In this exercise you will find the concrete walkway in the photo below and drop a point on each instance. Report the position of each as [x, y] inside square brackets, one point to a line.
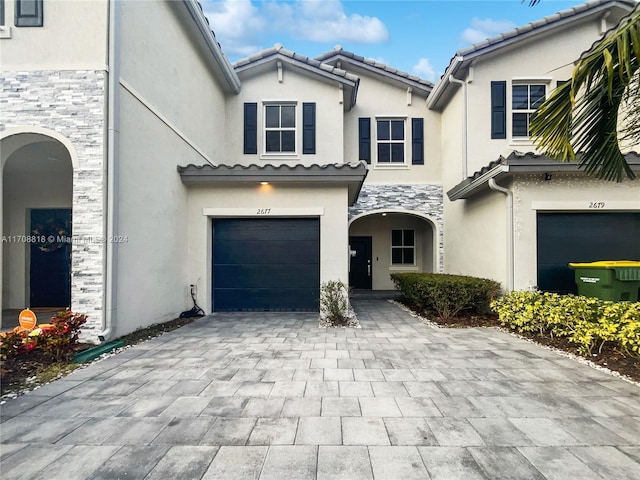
[271, 396]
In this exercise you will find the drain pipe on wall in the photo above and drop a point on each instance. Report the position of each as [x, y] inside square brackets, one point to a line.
[111, 172]
[463, 84]
[510, 247]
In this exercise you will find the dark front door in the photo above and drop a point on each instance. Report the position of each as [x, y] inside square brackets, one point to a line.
[360, 269]
[565, 238]
[50, 270]
[264, 264]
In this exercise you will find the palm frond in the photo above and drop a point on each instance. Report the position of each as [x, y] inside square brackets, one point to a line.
[581, 117]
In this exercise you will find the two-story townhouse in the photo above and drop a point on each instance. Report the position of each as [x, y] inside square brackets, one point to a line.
[397, 223]
[100, 101]
[270, 224]
[555, 214]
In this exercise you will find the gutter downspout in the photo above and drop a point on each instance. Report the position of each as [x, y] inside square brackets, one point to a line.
[463, 84]
[510, 246]
[111, 171]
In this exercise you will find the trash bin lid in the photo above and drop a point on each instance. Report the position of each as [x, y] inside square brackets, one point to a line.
[607, 263]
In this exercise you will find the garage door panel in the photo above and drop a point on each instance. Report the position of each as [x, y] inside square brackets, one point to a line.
[568, 237]
[264, 276]
[255, 299]
[266, 264]
[266, 229]
[259, 252]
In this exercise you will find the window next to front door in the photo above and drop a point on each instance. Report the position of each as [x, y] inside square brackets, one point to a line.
[403, 247]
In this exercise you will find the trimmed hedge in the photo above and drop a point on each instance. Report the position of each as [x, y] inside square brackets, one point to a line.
[446, 295]
[588, 322]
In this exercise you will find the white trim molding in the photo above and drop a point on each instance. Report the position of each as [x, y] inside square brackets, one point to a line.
[593, 205]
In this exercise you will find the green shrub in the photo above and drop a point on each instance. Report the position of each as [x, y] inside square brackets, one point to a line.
[446, 295]
[585, 321]
[58, 339]
[334, 302]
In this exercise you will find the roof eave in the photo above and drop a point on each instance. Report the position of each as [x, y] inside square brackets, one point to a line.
[219, 59]
[426, 90]
[464, 58]
[350, 175]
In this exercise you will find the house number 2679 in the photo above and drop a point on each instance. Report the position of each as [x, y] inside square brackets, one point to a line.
[596, 204]
[264, 211]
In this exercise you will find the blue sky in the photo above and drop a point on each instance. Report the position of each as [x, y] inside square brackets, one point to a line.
[417, 36]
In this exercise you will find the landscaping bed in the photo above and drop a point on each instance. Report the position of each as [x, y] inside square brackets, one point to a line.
[24, 372]
[610, 357]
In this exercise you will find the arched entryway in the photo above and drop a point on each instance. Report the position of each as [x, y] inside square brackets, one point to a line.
[382, 242]
[37, 199]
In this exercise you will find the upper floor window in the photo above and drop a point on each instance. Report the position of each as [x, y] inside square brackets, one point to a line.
[29, 13]
[525, 98]
[403, 247]
[286, 129]
[280, 128]
[391, 140]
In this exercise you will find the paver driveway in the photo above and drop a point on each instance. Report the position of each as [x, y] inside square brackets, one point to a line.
[271, 396]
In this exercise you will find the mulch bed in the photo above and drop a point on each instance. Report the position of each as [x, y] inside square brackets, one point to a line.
[610, 357]
[24, 372]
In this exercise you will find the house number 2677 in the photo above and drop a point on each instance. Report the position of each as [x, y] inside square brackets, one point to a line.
[264, 211]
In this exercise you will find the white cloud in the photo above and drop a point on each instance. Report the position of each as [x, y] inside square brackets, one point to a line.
[425, 70]
[324, 21]
[481, 29]
[239, 24]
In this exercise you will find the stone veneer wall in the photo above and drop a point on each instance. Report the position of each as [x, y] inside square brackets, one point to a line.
[73, 104]
[424, 199]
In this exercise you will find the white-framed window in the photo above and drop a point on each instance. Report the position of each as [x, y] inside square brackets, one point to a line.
[525, 98]
[280, 128]
[390, 141]
[403, 247]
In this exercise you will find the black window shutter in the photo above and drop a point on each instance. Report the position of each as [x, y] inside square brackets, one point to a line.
[29, 13]
[308, 128]
[499, 109]
[417, 141]
[364, 133]
[250, 128]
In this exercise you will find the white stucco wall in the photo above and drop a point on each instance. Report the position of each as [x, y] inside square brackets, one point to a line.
[261, 85]
[73, 37]
[380, 97]
[567, 193]
[301, 201]
[172, 112]
[476, 237]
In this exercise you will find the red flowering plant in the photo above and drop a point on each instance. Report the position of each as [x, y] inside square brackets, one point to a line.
[58, 339]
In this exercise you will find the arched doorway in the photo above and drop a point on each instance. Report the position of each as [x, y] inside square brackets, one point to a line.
[37, 198]
[382, 242]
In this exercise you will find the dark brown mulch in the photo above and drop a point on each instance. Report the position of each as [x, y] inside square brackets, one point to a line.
[34, 368]
[610, 357]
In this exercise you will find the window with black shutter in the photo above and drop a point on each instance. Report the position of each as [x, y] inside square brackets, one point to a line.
[364, 134]
[499, 109]
[29, 13]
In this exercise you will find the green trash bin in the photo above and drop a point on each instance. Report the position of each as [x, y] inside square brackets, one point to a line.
[617, 281]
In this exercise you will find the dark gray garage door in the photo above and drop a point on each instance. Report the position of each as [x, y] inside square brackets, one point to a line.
[582, 237]
[266, 264]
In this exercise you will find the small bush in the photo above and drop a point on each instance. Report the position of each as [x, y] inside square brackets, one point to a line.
[58, 339]
[585, 321]
[446, 295]
[334, 302]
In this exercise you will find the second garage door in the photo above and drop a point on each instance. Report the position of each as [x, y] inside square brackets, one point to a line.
[582, 237]
[266, 264]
